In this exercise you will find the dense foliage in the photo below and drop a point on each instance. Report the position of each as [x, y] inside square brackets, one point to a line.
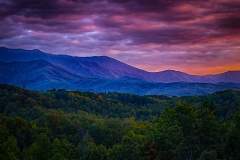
[62, 125]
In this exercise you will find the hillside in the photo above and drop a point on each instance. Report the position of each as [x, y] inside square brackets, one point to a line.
[114, 104]
[61, 124]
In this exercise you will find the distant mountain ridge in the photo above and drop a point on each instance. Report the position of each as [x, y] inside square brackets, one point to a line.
[106, 67]
[35, 69]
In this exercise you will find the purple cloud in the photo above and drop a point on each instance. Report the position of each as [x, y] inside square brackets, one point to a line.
[152, 34]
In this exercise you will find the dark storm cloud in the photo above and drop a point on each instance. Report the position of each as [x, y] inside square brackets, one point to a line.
[146, 5]
[170, 30]
[166, 36]
[28, 7]
[51, 8]
[229, 23]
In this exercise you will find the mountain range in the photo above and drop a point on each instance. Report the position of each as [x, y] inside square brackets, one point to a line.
[37, 70]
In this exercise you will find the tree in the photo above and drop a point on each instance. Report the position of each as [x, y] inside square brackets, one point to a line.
[40, 149]
[61, 150]
[233, 139]
[8, 145]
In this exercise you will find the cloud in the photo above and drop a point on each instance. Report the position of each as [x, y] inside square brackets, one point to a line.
[160, 33]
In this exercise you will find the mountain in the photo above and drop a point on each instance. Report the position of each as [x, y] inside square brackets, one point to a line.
[37, 74]
[230, 76]
[91, 67]
[109, 68]
[37, 70]
[148, 88]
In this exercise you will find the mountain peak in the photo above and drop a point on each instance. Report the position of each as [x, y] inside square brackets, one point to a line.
[171, 71]
[110, 68]
[37, 50]
[232, 72]
[104, 58]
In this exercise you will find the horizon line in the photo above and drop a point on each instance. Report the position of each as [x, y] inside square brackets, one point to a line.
[64, 54]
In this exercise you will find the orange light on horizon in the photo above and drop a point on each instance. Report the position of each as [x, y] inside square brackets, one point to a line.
[193, 70]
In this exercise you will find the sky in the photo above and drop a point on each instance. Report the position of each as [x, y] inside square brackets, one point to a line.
[193, 36]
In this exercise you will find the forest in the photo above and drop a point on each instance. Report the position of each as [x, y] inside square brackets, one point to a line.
[72, 125]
